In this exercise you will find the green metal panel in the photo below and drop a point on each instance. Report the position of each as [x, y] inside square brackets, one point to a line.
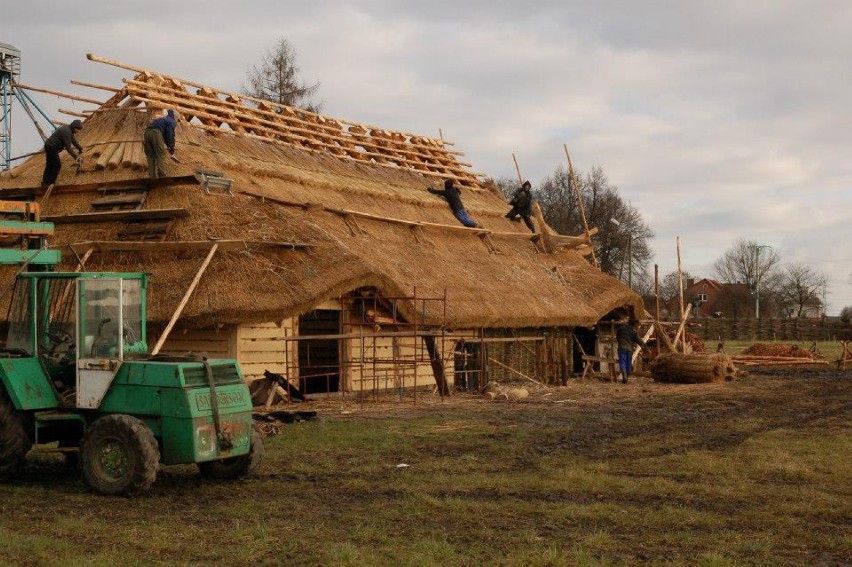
[42, 256]
[27, 384]
[175, 404]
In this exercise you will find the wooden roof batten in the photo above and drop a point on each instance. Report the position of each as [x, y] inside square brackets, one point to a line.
[558, 240]
[213, 109]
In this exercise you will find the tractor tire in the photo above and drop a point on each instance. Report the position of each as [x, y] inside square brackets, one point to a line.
[235, 467]
[119, 455]
[14, 440]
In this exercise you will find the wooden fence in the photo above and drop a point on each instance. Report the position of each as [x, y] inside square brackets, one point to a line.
[771, 329]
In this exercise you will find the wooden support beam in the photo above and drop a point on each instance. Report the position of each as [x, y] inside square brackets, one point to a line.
[181, 245]
[85, 187]
[545, 241]
[184, 301]
[57, 93]
[109, 216]
[95, 86]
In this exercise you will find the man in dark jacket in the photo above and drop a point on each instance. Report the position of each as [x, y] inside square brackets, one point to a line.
[159, 135]
[62, 139]
[522, 205]
[627, 339]
[453, 196]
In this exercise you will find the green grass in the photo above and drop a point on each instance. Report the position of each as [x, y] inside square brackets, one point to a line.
[751, 472]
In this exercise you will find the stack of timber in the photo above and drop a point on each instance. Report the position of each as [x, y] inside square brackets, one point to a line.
[768, 354]
[693, 368]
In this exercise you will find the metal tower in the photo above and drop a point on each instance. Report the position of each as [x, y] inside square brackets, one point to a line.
[10, 69]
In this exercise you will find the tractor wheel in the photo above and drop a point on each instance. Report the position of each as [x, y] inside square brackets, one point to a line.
[119, 455]
[233, 467]
[14, 440]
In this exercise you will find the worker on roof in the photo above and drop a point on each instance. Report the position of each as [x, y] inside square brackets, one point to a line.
[522, 206]
[453, 196]
[627, 339]
[62, 139]
[160, 135]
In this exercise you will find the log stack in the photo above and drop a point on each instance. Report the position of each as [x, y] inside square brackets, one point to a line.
[692, 368]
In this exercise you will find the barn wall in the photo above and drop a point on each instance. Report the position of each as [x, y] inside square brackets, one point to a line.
[217, 343]
[261, 346]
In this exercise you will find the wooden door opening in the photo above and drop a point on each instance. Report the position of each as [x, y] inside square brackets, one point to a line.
[319, 359]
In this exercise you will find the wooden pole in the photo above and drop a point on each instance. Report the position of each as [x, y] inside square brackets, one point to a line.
[657, 292]
[185, 299]
[57, 93]
[572, 180]
[680, 293]
[518, 169]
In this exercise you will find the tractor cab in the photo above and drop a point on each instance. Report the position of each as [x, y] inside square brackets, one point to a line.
[80, 326]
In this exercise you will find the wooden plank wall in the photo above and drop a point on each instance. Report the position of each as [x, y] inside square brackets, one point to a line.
[261, 346]
[217, 343]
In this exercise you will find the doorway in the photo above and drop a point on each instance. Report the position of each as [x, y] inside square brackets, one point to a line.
[319, 359]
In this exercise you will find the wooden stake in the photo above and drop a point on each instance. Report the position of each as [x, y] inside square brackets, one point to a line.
[183, 301]
[572, 179]
[518, 169]
[657, 292]
[680, 287]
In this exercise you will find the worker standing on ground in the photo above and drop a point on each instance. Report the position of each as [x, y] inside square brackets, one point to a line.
[160, 135]
[522, 205]
[627, 339]
[453, 196]
[63, 138]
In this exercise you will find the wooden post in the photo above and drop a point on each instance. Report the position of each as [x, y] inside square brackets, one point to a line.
[518, 169]
[680, 287]
[572, 180]
[183, 301]
[657, 292]
[546, 241]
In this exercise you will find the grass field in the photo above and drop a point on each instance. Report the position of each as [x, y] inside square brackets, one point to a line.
[755, 471]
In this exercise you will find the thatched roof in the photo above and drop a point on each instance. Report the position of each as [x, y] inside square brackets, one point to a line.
[498, 280]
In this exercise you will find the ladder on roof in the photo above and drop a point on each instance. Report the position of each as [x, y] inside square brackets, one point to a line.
[132, 198]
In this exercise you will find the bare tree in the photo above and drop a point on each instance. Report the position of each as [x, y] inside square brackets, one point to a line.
[748, 262]
[800, 290]
[622, 243]
[669, 287]
[276, 79]
[757, 266]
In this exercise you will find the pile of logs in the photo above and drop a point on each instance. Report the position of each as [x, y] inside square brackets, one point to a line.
[692, 368]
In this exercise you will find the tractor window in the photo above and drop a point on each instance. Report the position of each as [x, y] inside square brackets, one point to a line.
[132, 309]
[101, 314]
[20, 319]
[56, 319]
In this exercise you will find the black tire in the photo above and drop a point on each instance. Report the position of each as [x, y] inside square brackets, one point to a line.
[14, 440]
[119, 455]
[235, 467]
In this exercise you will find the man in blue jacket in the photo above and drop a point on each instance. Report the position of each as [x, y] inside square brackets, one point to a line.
[453, 196]
[61, 139]
[159, 136]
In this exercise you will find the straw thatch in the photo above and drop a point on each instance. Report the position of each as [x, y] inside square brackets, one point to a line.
[507, 283]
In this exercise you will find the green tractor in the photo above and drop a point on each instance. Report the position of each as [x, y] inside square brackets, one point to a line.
[75, 378]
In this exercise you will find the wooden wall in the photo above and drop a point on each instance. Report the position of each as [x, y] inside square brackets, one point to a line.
[217, 343]
[261, 346]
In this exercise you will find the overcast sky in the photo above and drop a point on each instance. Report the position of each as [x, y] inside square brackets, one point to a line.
[716, 120]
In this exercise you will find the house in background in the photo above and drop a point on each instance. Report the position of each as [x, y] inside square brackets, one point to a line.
[317, 251]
